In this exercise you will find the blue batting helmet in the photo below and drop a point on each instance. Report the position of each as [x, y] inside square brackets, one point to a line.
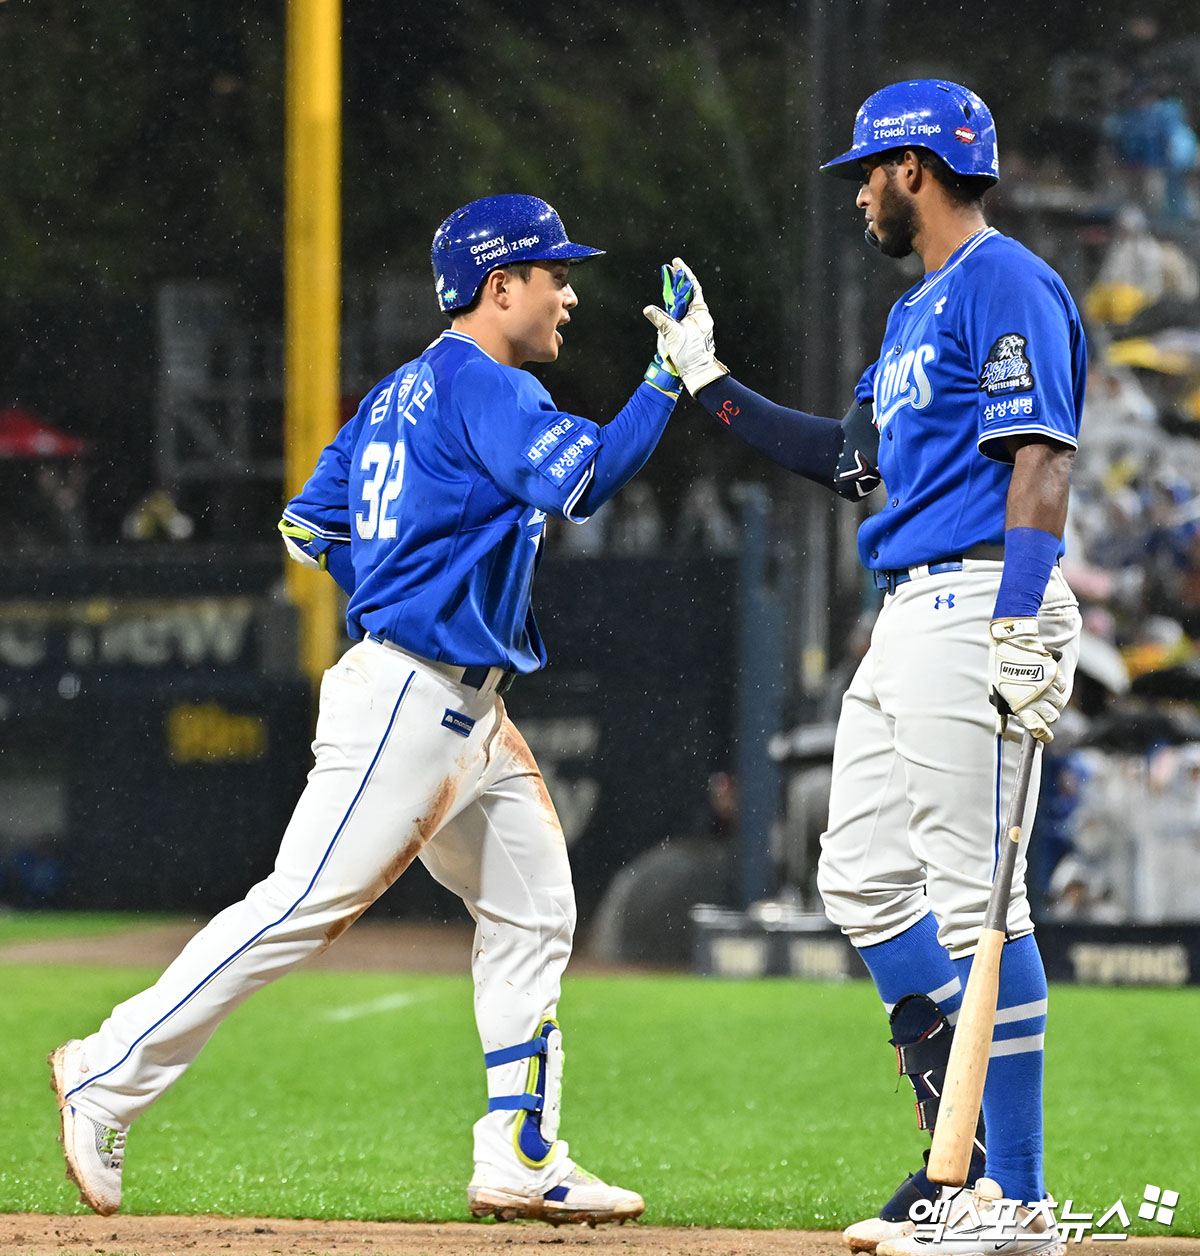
[496, 231]
[946, 118]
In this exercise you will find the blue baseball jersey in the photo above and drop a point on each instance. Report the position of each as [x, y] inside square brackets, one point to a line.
[441, 484]
[989, 346]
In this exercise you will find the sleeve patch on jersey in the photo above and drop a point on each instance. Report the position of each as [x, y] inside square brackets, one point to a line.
[548, 439]
[577, 453]
[1009, 409]
[458, 723]
[1007, 369]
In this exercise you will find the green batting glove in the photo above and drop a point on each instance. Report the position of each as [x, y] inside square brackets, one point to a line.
[677, 292]
[687, 343]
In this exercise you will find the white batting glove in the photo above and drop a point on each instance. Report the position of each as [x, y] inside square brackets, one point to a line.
[688, 342]
[1026, 681]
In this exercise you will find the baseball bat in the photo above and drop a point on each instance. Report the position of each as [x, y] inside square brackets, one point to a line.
[966, 1070]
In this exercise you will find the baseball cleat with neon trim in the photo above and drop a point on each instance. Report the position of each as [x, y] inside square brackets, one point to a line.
[580, 1198]
[94, 1151]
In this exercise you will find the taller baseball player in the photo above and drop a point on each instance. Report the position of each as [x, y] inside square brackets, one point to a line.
[970, 418]
[429, 509]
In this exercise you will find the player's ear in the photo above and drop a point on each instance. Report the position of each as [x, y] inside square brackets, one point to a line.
[911, 170]
[495, 287]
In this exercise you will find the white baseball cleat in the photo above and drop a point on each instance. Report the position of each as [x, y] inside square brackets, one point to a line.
[893, 1221]
[981, 1223]
[94, 1151]
[580, 1198]
[866, 1236]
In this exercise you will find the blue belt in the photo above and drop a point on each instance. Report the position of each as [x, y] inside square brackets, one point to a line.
[889, 580]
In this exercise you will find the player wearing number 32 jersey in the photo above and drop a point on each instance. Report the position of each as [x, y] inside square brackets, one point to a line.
[429, 509]
[441, 485]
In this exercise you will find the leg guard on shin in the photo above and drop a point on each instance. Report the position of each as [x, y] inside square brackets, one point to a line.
[922, 1036]
[540, 1103]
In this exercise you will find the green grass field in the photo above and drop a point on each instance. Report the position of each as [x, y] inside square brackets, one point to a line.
[26, 926]
[748, 1104]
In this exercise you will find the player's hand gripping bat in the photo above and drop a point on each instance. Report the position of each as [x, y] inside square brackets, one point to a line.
[962, 1093]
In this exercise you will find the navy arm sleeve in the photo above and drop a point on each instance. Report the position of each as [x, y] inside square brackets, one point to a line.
[842, 456]
[625, 444]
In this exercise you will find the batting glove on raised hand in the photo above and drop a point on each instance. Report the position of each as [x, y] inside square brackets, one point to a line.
[677, 293]
[1026, 680]
[679, 289]
[688, 342]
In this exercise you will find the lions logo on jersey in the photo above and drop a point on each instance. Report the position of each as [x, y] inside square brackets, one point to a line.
[903, 382]
[1007, 368]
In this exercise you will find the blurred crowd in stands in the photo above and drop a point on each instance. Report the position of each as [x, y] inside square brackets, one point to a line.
[1119, 830]
[1119, 824]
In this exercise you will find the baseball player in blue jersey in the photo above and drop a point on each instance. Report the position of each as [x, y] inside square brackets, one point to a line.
[428, 508]
[969, 417]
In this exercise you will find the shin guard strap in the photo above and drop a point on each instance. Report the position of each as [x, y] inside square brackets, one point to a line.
[538, 1106]
[915, 1058]
[521, 1051]
[515, 1103]
[922, 1035]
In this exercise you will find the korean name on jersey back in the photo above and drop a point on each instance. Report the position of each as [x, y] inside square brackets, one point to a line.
[380, 470]
[409, 399]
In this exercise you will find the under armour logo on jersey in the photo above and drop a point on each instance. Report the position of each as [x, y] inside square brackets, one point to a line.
[941, 305]
[943, 599]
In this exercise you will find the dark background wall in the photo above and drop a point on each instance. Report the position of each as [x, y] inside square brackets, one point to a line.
[151, 710]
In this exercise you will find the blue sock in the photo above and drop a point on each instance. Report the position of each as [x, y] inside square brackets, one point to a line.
[1012, 1095]
[914, 962]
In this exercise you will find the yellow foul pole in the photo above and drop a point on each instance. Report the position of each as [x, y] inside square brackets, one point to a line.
[312, 288]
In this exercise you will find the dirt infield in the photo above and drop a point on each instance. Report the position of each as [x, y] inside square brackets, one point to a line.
[371, 946]
[37, 1235]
